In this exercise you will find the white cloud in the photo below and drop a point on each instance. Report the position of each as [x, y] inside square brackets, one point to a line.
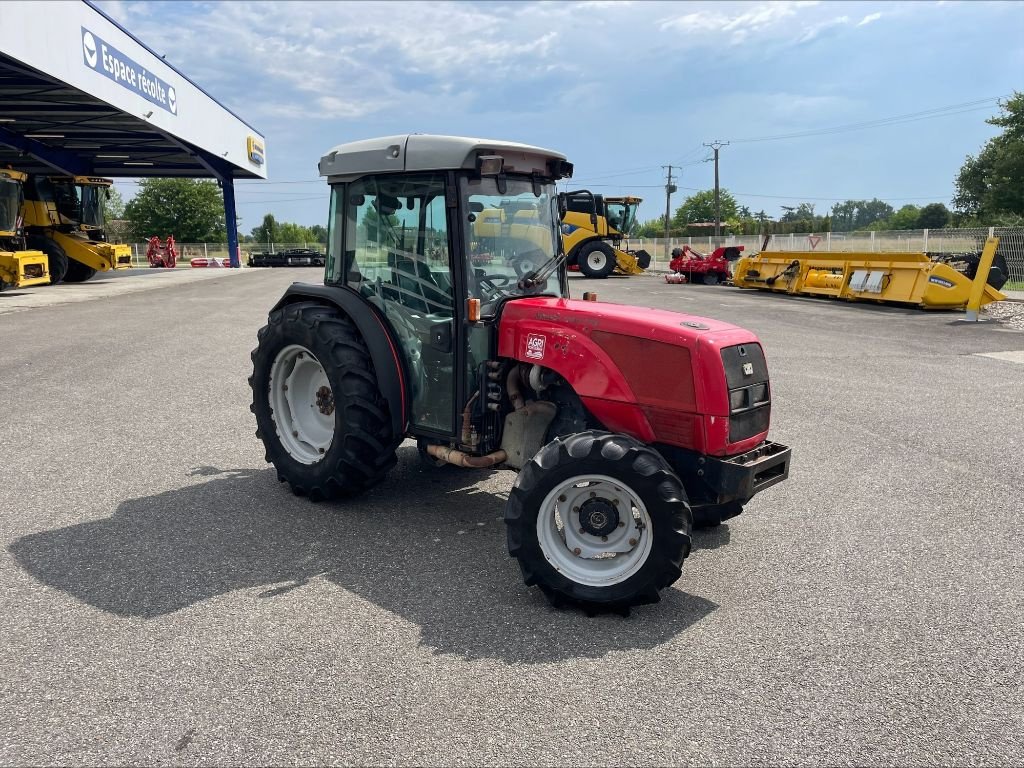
[868, 19]
[739, 24]
[816, 29]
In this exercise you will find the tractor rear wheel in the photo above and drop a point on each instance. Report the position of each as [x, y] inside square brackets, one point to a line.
[58, 260]
[596, 259]
[78, 272]
[711, 278]
[319, 411]
[600, 521]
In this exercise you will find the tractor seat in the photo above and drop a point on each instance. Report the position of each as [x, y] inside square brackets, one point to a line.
[416, 287]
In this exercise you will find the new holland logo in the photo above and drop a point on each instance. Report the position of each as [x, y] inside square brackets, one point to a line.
[254, 150]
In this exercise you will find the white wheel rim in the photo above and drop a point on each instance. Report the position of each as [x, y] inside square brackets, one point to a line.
[597, 260]
[302, 404]
[575, 550]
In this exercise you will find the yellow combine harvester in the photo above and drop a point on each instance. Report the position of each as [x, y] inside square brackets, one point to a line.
[19, 267]
[64, 219]
[593, 227]
[902, 278]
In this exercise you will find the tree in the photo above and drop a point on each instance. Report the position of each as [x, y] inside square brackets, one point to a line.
[289, 232]
[191, 210]
[652, 228]
[905, 218]
[700, 208]
[992, 184]
[267, 231]
[933, 216]
[318, 233]
[112, 204]
[802, 212]
[859, 214]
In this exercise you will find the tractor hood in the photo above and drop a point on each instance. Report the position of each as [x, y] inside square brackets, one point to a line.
[637, 369]
[587, 316]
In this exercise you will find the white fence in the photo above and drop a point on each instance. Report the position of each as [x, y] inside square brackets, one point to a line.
[1011, 244]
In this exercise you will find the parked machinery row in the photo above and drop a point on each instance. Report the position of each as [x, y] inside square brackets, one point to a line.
[53, 230]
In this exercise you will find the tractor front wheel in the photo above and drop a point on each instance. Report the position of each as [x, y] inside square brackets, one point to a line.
[596, 259]
[600, 521]
[78, 272]
[58, 260]
[319, 410]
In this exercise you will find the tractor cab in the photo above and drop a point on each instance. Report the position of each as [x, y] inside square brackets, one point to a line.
[73, 202]
[438, 252]
[622, 212]
[444, 318]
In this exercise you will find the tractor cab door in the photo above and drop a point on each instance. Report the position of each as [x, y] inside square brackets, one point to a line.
[397, 254]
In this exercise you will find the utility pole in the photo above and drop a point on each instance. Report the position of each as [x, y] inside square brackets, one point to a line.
[717, 145]
[669, 189]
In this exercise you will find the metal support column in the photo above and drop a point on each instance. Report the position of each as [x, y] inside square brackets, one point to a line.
[230, 219]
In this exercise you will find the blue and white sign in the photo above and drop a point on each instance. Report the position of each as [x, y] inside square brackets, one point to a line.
[110, 62]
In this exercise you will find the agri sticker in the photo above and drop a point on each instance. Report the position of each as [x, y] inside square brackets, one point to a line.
[535, 344]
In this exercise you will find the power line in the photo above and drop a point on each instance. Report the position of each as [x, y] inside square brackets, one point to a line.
[911, 117]
[813, 197]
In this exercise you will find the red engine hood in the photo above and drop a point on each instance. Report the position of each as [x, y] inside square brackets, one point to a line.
[636, 368]
[642, 322]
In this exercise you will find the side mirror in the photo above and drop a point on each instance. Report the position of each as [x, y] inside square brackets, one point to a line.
[108, 193]
[563, 205]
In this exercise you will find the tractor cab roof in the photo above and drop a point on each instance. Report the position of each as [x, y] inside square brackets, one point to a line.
[424, 152]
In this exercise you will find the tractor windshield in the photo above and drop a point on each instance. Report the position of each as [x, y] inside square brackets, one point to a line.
[92, 207]
[10, 203]
[510, 233]
[79, 203]
[622, 215]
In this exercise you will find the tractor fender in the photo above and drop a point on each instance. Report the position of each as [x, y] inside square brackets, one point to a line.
[387, 361]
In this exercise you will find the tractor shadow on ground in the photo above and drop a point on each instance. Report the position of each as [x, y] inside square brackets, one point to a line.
[427, 545]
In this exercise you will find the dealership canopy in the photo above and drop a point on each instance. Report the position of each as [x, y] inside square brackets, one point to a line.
[81, 95]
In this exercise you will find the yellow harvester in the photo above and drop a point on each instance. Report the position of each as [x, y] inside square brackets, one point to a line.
[19, 267]
[64, 219]
[593, 227]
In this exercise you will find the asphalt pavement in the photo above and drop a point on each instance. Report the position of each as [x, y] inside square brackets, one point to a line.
[166, 600]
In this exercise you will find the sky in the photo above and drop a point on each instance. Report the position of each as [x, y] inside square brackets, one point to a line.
[622, 88]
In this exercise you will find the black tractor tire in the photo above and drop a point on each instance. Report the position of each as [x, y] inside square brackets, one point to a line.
[78, 272]
[602, 255]
[58, 260]
[362, 450]
[712, 278]
[637, 467]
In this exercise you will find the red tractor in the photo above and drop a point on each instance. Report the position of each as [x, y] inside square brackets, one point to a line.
[626, 425]
[162, 255]
[710, 269]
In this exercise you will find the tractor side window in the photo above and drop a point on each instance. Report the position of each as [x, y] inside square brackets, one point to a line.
[397, 255]
[396, 242]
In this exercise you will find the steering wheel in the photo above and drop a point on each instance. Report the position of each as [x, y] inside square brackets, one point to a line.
[494, 283]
